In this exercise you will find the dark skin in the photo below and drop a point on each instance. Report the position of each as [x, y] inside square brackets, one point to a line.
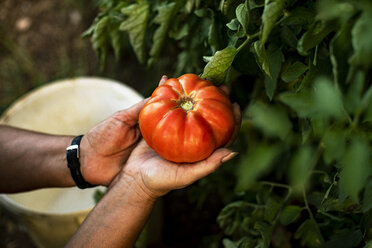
[112, 154]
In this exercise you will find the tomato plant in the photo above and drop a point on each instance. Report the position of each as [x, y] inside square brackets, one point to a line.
[301, 72]
[186, 119]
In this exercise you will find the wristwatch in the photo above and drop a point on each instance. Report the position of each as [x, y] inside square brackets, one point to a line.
[72, 155]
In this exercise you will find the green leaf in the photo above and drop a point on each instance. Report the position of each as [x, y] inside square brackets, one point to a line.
[355, 167]
[300, 167]
[99, 39]
[362, 41]
[288, 37]
[216, 69]
[345, 238]
[340, 50]
[368, 245]
[367, 197]
[300, 16]
[117, 40]
[261, 57]
[246, 242]
[294, 71]
[367, 105]
[266, 231]
[353, 99]
[263, 116]
[227, 243]
[309, 235]
[327, 99]
[272, 12]
[334, 145]
[135, 25]
[233, 24]
[300, 102]
[289, 214]
[271, 209]
[164, 18]
[242, 15]
[316, 33]
[255, 163]
[275, 58]
[232, 216]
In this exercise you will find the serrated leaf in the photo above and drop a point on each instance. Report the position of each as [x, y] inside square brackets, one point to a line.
[164, 19]
[99, 39]
[275, 58]
[309, 235]
[271, 209]
[355, 167]
[221, 61]
[116, 41]
[261, 57]
[294, 71]
[300, 167]
[362, 41]
[242, 15]
[136, 24]
[289, 214]
[254, 164]
[272, 12]
[316, 33]
[263, 116]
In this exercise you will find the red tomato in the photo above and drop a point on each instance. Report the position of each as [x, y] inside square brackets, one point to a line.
[186, 119]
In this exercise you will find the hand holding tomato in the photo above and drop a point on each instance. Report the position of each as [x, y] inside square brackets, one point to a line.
[155, 176]
[187, 118]
[107, 146]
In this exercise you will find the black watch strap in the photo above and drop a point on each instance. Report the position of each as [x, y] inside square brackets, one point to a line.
[72, 155]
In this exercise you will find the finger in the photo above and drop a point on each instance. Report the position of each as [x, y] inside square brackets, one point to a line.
[190, 173]
[224, 88]
[163, 79]
[238, 121]
[130, 115]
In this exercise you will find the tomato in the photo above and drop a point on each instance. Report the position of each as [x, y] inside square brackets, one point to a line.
[186, 119]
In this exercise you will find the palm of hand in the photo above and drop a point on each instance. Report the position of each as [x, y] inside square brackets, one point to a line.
[158, 176]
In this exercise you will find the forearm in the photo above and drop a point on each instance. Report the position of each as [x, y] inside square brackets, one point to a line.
[117, 219]
[31, 160]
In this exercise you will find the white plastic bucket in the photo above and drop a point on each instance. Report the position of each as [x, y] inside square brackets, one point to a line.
[72, 107]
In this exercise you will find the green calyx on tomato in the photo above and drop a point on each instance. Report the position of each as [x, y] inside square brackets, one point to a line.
[186, 119]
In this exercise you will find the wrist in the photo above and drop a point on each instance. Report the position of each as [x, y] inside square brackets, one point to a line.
[134, 189]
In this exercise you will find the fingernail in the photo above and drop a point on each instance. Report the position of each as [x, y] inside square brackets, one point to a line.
[164, 77]
[229, 156]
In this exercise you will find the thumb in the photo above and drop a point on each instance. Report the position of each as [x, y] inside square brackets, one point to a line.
[130, 116]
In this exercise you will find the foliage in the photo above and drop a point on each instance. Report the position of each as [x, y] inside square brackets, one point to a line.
[301, 72]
